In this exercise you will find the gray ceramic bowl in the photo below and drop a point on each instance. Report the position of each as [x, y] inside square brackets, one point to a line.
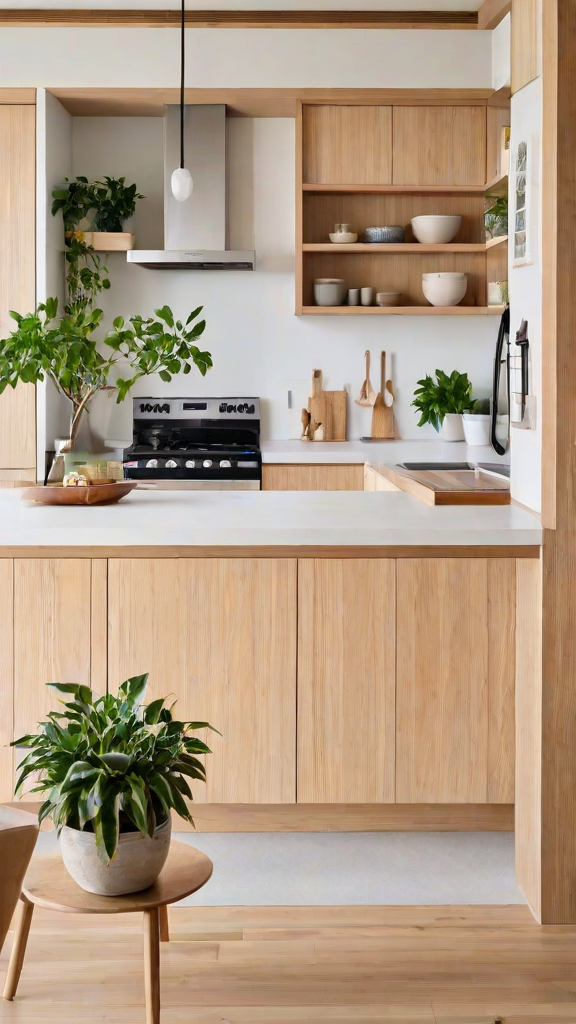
[385, 234]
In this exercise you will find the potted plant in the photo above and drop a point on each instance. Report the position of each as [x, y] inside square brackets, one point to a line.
[441, 401]
[496, 216]
[112, 202]
[476, 423]
[113, 769]
[64, 347]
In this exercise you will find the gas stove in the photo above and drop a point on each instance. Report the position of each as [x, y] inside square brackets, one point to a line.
[201, 443]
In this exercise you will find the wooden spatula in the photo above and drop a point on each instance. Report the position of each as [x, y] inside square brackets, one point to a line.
[367, 394]
[383, 414]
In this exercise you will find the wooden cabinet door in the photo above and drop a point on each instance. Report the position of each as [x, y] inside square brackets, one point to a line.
[347, 145]
[17, 273]
[439, 145]
[219, 635]
[346, 666]
[455, 680]
[312, 478]
[55, 603]
[6, 679]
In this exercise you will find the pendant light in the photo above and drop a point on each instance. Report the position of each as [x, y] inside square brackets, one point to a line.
[181, 181]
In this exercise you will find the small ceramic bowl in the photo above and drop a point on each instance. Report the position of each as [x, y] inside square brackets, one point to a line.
[391, 234]
[388, 298]
[343, 237]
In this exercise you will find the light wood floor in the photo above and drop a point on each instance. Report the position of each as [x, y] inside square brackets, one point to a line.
[410, 965]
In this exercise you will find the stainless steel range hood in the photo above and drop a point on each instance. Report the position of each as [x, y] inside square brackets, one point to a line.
[195, 232]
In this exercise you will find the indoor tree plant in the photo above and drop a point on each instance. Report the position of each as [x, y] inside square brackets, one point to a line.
[441, 401]
[112, 770]
[64, 347]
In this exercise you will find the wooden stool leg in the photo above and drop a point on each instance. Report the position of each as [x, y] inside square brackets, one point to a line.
[19, 948]
[164, 928]
[152, 965]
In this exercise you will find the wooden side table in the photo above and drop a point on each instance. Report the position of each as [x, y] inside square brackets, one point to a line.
[49, 885]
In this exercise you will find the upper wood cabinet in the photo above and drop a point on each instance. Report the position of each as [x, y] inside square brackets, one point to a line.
[439, 145]
[17, 272]
[346, 680]
[455, 681]
[219, 635]
[347, 145]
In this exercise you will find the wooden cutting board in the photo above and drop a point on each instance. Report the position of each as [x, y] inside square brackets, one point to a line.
[327, 408]
[450, 487]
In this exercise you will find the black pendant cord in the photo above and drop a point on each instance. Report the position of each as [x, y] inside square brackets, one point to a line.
[182, 68]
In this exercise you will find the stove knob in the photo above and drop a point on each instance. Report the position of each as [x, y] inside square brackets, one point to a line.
[250, 410]
[225, 464]
[207, 463]
[171, 464]
[190, 463]
[152, 464]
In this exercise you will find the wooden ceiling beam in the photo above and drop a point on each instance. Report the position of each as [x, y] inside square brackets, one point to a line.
[14, 18]
[493, 12]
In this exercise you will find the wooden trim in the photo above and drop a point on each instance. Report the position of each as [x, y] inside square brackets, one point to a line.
[341, 817]
[492, 13]
[402, 310]
[16, 18]
[549, 195]
[15, 97]
[101, 102]
[352, 818]
[299, 213]
[285, 551]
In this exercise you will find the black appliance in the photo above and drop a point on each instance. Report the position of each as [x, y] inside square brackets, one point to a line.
[197, 443]
[500, 404]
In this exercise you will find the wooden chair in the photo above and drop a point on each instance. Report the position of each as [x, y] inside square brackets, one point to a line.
[18, 833]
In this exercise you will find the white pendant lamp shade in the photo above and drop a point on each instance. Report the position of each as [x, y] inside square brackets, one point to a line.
[181, 184]
[181, 181]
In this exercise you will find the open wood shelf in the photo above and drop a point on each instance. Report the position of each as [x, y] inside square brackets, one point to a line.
[356, 166]
[402, 310]
[401, 248]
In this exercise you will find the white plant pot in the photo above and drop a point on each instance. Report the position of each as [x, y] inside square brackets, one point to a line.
[476, 429]
[138, 862]
[452, 429]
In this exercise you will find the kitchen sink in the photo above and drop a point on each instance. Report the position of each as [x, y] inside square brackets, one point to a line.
[486, 467]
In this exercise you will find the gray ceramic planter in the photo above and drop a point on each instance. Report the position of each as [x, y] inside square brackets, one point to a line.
[138, 862]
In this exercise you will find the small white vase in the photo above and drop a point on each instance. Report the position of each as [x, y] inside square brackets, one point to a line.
[452, 429]
[476, 428]
[138, 862]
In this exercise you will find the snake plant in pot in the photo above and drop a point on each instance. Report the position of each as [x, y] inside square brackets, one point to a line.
[112, 769]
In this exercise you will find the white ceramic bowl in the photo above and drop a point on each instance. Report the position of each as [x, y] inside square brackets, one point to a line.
[437, 229]
[329, 291]
[444, 289]
[343, 237]
[388, 298]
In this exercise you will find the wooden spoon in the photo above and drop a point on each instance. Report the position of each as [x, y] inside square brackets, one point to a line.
[367, 394]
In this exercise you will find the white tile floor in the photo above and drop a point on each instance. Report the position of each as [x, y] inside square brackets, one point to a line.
[338, 868]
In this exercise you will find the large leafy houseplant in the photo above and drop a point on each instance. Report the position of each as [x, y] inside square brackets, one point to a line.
[110, 764]
[111, 199]
[442, 395]
[65, 347]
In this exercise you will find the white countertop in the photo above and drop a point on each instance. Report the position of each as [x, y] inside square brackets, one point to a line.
[197, 519]
[375, 452]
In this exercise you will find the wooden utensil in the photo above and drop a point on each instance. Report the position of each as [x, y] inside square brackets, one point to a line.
[94, 494]
[383, 413]
[367, 394]
[305, 425]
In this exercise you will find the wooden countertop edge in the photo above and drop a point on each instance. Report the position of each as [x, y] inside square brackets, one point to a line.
[276, 551]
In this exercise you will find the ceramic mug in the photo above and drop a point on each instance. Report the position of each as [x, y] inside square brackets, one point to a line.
[367, 296]
[353, 296]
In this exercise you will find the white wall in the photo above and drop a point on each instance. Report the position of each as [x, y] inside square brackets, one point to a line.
[259, 346]
[246, 58]
[501, 54]
[525, 285]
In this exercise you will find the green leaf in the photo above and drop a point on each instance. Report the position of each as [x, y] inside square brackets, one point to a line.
[83, 693]
[133, 690]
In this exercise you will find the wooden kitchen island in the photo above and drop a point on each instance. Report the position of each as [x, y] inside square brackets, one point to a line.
[357, 652]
